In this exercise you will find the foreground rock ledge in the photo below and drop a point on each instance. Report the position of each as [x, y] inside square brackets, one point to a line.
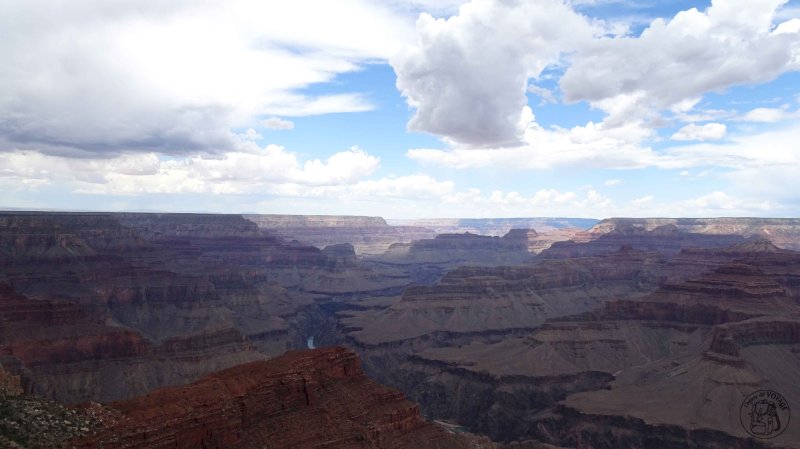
[303, 399]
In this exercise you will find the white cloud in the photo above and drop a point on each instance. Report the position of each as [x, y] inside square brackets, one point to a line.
[464, 90]
[612, 182]
[721, 202]
[642, 202]
[545, 94]
[466, 76]
[766, 115]
[543, 202]
[762, 165]
[714, 204]
[249, 170]
[790, 26]
[709, 131]
[341, 168]
[756, 166]
[774, 147]
[593, 145]
[676, 62]
[418, 186]
[301, 105]
[175, 77]
[278, 123]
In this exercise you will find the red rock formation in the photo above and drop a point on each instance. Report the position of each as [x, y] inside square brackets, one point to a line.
[308, 399]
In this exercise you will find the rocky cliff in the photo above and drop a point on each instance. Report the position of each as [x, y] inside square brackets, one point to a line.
[307, 399]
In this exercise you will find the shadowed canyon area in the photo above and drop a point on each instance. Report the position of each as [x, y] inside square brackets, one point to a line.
[128, 330]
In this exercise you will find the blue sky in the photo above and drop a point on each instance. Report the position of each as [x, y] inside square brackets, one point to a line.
[404, 109]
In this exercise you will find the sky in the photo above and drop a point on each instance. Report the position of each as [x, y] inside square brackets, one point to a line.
[402, 108]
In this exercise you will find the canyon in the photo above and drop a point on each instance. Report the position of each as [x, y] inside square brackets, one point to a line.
[193, 329]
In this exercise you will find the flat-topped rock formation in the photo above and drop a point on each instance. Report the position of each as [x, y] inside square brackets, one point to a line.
[368, 235]
[667, 239]
[543, 231]
[783, 232]
[496, 226]
[455, 249]
[426, 260]
[277, 221]
[157, 226]
[308, 399]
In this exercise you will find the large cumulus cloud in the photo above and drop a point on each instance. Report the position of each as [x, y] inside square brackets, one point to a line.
[466, 76]
[673, 63]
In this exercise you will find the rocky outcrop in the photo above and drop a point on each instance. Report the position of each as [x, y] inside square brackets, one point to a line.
[308, 399]
[30, 422]
[10, 384]
[343, 255]
[731, 338]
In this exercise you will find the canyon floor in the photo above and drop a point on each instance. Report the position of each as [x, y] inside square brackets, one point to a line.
[133, 330]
